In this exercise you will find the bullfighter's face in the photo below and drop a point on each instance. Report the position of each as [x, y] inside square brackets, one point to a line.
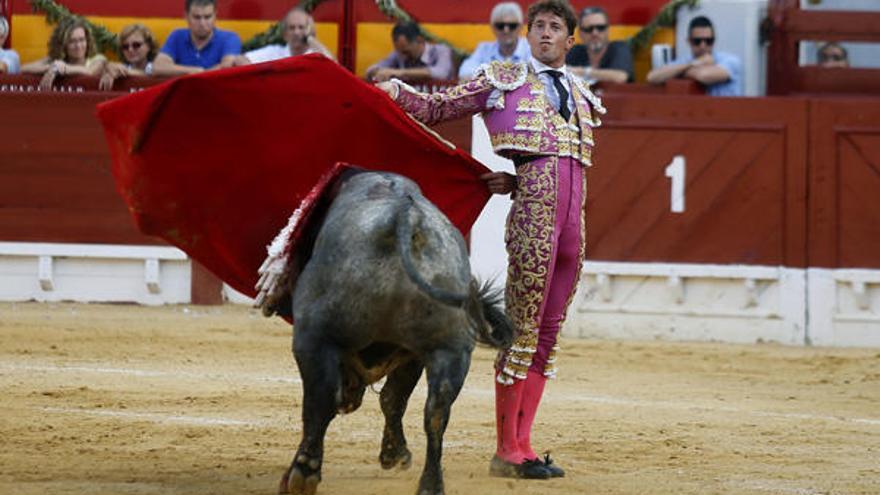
[549, 39]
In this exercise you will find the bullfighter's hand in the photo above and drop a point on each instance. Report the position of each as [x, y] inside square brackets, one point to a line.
[499, 182]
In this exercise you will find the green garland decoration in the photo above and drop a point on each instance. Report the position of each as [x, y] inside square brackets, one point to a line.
[271, 36]
[390, 8]
[665, 18]
[104, 39]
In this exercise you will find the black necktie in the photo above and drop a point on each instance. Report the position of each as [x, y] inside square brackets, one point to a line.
[560, 90]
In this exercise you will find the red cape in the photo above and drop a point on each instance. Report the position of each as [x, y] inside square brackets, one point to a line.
[215, 163]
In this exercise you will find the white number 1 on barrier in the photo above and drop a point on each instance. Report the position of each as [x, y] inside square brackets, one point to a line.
[676, 171]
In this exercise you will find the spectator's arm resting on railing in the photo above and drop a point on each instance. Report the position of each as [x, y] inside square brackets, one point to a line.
[661, 74]
[164, 66]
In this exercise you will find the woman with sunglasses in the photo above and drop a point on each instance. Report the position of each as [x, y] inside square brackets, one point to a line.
[720, 72]
[137, 49]
[506, 21]
[71, 52]
[597, 59]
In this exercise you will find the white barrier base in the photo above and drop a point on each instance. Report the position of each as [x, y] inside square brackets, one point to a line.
[844, 307]
[728, 303]
[93, 273]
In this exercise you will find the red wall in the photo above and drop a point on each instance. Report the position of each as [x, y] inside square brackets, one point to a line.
[769, 181]
[444, 11]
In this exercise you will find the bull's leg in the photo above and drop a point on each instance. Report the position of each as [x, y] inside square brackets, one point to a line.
[319, 366]
[446, 373]
[395, 395]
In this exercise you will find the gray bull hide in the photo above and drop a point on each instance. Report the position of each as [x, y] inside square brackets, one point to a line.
[385, 291]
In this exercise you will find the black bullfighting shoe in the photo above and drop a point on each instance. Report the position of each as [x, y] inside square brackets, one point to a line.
[555, 471]
[530, 470]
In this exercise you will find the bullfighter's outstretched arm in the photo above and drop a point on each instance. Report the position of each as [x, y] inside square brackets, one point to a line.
[449, 104]
[484, 91]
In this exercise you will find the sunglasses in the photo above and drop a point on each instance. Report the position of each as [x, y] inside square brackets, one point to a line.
[833, 57]
[134, 45]
[506, 26]
[700, 41]
[595, 27]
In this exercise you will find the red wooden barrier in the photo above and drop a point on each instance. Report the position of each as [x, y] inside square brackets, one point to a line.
[844, 211]
[749, 164]
[26, 83]
[745, 168]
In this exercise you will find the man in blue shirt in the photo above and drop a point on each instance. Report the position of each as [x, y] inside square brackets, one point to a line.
[506, 20]
[201, 46]
[720, 72]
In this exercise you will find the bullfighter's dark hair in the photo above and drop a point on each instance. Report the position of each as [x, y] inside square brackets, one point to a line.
[560, 8]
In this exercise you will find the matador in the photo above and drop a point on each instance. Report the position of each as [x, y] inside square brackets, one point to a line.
[542, 118]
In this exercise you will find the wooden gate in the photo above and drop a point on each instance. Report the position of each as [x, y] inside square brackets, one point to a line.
[844, 209]
[699, 180]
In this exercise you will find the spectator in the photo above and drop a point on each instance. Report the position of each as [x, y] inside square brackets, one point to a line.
[506, 21]
[597, 59]
[831, 54]
[200, 47]
[137, 49]
[413, 58]
[9, 61]
[720, 72]
[71, 52]
[299, 37]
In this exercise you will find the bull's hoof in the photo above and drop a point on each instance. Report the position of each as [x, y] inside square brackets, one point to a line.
[431, 488]
[302, 477]
[395, 456]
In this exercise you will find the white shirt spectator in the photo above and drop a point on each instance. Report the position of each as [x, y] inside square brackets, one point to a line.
[271, 52]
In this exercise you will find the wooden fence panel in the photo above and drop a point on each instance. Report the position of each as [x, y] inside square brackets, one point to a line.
[844, 209]
[744, 176]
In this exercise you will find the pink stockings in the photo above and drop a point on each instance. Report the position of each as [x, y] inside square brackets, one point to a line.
[515, 408]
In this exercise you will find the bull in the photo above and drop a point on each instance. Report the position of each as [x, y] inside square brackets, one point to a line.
[382, 287]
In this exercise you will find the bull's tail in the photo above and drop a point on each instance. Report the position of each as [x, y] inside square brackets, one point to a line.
[482, 304]
[404, 231]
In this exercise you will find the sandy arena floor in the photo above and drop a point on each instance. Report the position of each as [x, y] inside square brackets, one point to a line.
[196, 400]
